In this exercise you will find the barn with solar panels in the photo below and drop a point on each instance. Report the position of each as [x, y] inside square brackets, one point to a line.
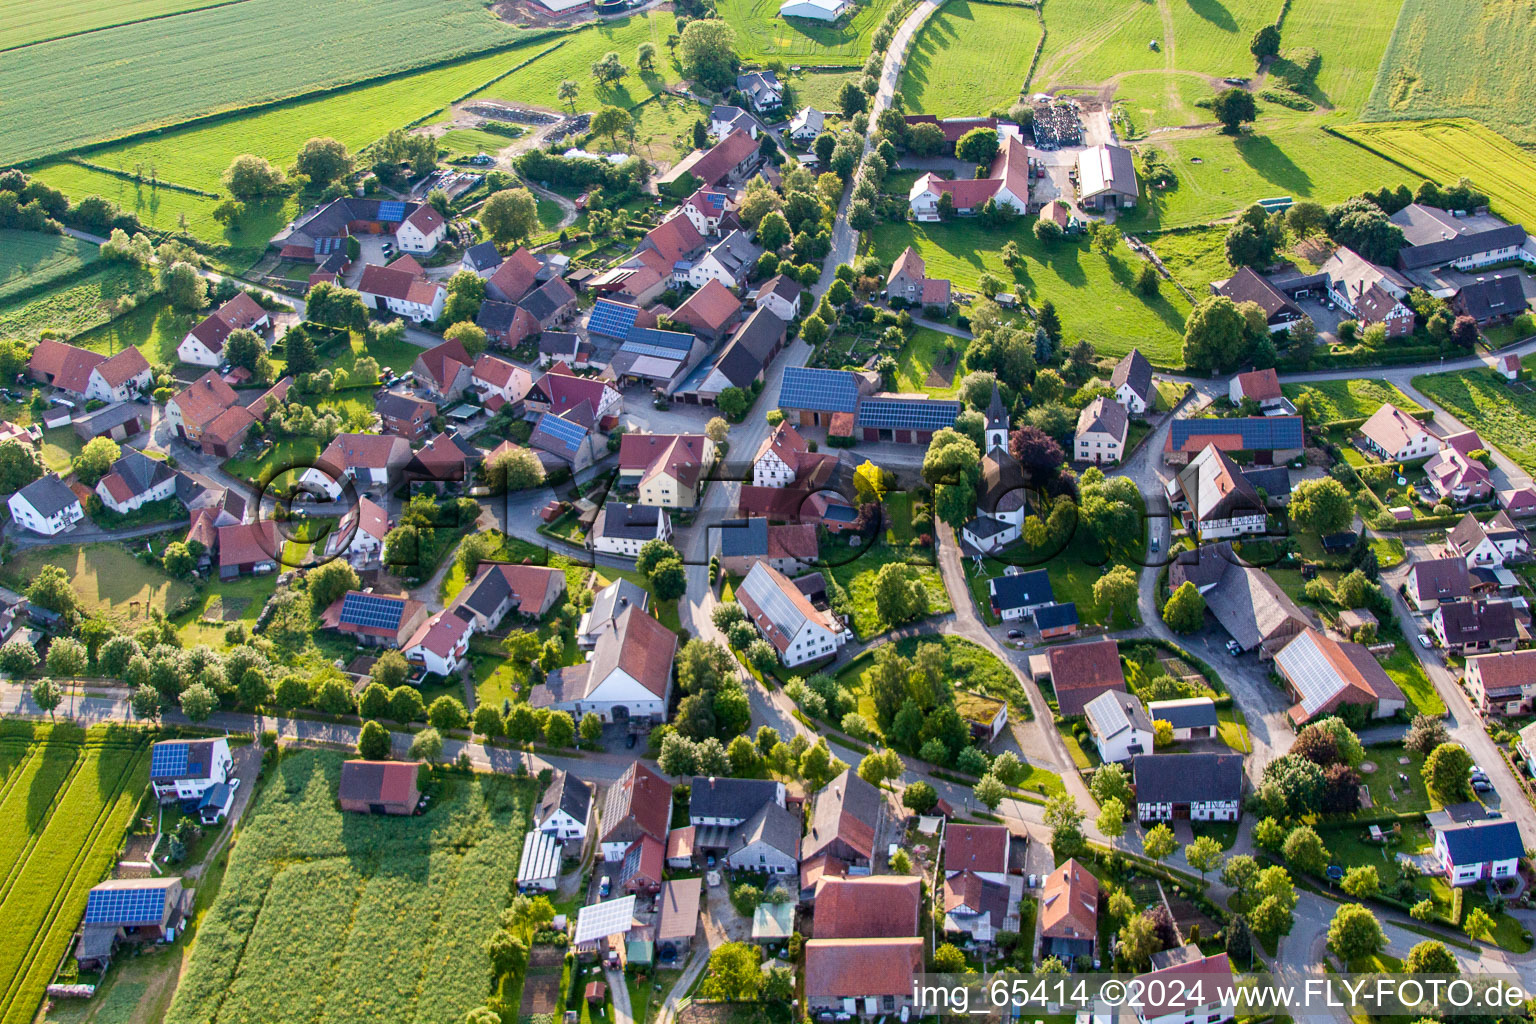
[611, 319]
[185, 769]
[810, 397]
[129, 909]
[905, 419]
[375, 620]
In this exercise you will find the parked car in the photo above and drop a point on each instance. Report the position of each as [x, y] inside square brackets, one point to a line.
[1234, 648]
[629, 741]
[1014, 634]
[1425, 642]
[1482, 786]
[605, 886]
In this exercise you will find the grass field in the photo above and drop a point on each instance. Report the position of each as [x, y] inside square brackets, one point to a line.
[107, 579]
[924, 351]
[1348, 399]
[470, 141]
[90, 301]
[1445, 150]
[326, 915]
[969, 59]
[761, 35]
[1456, 58]
[284, 47]
[1194, 258]
[538, 83]
[154, 328]
[858, 578]
[1094, 296]
[1350, 38]
[819, 89]
[31, 259]
[67, 797]
[1483, 401]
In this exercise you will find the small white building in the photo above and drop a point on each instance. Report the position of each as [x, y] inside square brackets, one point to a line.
[1192, 718]
[46, 506]
[1132, 383]
[806, 125]
[539, 869]
[797, 629]
[1120, 726]
[628, 675]
[1395, 435]
[624, 529]
[565, 808]
[204, 344]
[819, 10]
[389, 290]
[134, 481]
[186, 769]
[1102, 428]
[441, 644]
[1471, 851]
[729, 261]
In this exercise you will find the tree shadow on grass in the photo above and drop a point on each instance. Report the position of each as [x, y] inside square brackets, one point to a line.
[1158, 304]
[1272, 163]
[1213, 12]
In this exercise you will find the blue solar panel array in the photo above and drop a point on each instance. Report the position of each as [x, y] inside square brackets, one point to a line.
[168, 759]
[372, 610]
[906, 413]
[391, 210]
[675, 341]
[326, 246]
[819, 390]
[612, 319]
[563, 430]
[125, 906]
[1259, 433]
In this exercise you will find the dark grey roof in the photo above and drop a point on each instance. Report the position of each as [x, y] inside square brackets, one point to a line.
[1204, 566]
[482, 256]
[1187, 778]
[1489, 297]
[48, 495]
[1135, 371]
[567, 793]
[1022, 590]
[612, 600]
[1276, 480]
[496, 316]
[1186, 713]
[1442, 579]
[782, 285]
[744, 538]
[558, 343]
[545, 300]
[114, 415]
[729, 798]
[773, 825]
[627, 522]
[997, 413]
[848, 808]
[1055, 616]
[747, 354]
[1477, 842]
[1247, 286]
[140, 471]
[724, 112]
[1468, 622]
[487, 593]
[1436, 237]
[735, 251]
[399, 406]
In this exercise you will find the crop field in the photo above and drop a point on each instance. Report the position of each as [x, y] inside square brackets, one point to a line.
[88, 302]
[32, 21]
[31, 259]
[969, 59]
[1095, 297]
[1219, 175]
[224, 57]
[1483, 401]
[761, 35]
[1460, 58]
[1348, 399]
[1445, 150]
[74, 792]
[334, 917]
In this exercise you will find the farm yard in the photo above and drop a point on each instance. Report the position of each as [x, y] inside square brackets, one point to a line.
[1486, 403]
[1427, 71]
[30, 261]
[1094, 296]
[1446, 150]
[969, 59]
[326, 915]
[67, 796]
[286, 47]
[761, 35]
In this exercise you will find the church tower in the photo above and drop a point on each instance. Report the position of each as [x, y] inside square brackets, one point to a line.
[997, 422]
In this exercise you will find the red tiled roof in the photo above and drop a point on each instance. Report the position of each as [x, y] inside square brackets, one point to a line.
[439, 634]
[227, 425]
[248, 543]
[976, 848]
[425, 219]
[354, 451]
[910, 263]
[798, 541]
[724, 157]
[566, 391]
[853, 968]
[1185, 987]
[204, 399]
[493, 371]
[442, 362]
[516, 275]
[117, 486]
[1259, 385]
[123, 367]
[1080, 672]
[873, 906]
[674, 238]
[710, 308]
[680, 456]
[1069, 903]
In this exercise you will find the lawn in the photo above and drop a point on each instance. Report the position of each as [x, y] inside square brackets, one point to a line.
[1405, 669]
[1194, 258]
[83, 89]
[970, 666]
[1443, 57]
[1357, 399]
[107, 579]
[221, 606]
[154, 328]
[85, 303]
[30, 260]
[1387, 792]
[970, 59]
[59, 448]
[76, 792]
[858, 578]
[470, 141]
[1094, 296]
[1483, 401]
[761, 35]
[819, 89]
[365, 917]
[1444, 150]
[925, 361]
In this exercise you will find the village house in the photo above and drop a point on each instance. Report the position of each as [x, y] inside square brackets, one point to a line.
[445, 458]
[134, 481]
[379, 787]
[1069, 913]
[729, 162]
[404, 292]
[1369, 293]
[1472, 851]
[1132, 383]
[639, 804]
[560, 391]
[798, 630]
[45, 506]
[1247, 286]
[809, 122]
[729, 261]
[723, 119]
[1490, 300]
[204, 344]
[1192, 718]
[1197, 787]
[444, 370]
[186, 769]
[568, 437]
[566, 347]
[502, 587]
[1502, 683]
[441, 643]
[88, 375]
[565, 809]
[1080, 672]
[1434, 580]
[1453, 472]
[1119, 725]
[421, 230]
[1324, 674]
[642, 866]
[1475, 627]
[1185, 986]
[867, 948]
[622, 529]
[846, 815]
[1021, 594]
[505, 325]
[514, 277]
[978, 908]
[780, 295]
[784, 458]
[375, 620]
[1487, 545]
[248, 549]
[404, 415]
[1102, 427]
[742, 543]
[1261, 387]
[1217, 500]
[1440, 238]
[359, 535]
[138, 910]
[605, 609]
[908, 281]
[710, 209]
[628, 676]
[1106, 178]
[369, 461]
[762, 89]
[1006, 183]
[709, 312]
[1398, 437]
[481, 259]
[665, 469]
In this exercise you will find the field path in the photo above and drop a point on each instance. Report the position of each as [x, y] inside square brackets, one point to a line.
[1083, 44]
[1170, 60]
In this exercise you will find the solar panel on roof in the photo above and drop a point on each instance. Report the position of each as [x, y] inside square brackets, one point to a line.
[563, 430]
[124, 906]
[907, 414]
[167, 760]
[372, 610]
[391, 209]
[612, 319]
[674, 341]
[599, 920]
[1258, 432]
[805, 387]
[642, 349]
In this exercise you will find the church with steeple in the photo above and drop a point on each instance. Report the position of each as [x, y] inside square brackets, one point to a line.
[1001, 502]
